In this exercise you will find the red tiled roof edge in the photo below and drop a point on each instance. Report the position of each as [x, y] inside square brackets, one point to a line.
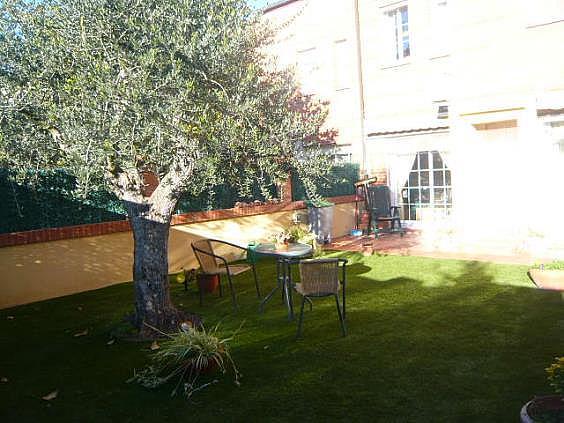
[106, 228]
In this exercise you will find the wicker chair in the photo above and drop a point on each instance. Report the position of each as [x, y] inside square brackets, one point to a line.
[213, 264]
[320, 278]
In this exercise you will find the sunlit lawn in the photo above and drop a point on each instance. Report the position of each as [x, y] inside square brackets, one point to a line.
[429, 340]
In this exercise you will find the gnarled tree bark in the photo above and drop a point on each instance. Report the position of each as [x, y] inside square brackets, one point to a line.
[150, 222]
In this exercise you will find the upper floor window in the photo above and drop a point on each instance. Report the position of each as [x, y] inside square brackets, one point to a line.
[398, 32]
[440, 28]
[308, 69]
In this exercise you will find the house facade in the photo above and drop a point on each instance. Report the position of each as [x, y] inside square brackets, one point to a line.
[460, 103]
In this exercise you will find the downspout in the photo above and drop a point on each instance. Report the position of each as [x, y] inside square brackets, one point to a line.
[363, 169]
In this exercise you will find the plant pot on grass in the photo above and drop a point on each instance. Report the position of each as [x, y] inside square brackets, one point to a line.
[546, 409]
[548, 276]
[550, 408]
[320, 216]
[207, 283]
[185, 356]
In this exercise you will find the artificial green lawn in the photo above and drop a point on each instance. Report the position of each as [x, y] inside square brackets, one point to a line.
[429, 340]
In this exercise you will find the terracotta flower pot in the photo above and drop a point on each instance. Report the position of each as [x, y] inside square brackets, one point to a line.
[208, 283]
[281, 246]
[547, 408]
[548, 279]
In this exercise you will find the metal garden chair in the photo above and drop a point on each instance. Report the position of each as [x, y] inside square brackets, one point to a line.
[320, 278]
[213, 264]
[382, 211]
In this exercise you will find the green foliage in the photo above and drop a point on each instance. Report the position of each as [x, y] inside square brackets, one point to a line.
[185, 356]
[180, 88]
[555, 265]
[319, 202]
[555, 375]
[298, 233]
[44, 199]
[339, 181]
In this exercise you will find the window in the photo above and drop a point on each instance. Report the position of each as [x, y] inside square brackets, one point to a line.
[398, 32]
[343, 69]
[342, 154]
[308, 67]
[440, 28]
[428, 186]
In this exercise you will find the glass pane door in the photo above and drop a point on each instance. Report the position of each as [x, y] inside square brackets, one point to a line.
[427, 187]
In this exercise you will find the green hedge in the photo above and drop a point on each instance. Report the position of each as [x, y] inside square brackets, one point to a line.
[44, 200]
[340, 181]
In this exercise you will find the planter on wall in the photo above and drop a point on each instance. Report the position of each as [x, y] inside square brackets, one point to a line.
[548, 279]
[321, 221]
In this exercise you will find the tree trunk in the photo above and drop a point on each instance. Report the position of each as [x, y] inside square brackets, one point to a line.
[153, 306]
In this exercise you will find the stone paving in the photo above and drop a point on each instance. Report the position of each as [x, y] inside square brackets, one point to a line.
[416, 243]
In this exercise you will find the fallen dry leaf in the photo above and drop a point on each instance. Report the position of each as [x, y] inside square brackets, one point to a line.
[83, 333]
[155, 346]
[51, 396]
[111, 342]
[4, 379]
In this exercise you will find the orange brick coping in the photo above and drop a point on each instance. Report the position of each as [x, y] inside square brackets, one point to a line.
[105, 228]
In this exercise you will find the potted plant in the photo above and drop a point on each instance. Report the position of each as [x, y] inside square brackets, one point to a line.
[549, 408]
[185, 356]
[281, 240]
[320, 215]
[296, 233]
[548, 276]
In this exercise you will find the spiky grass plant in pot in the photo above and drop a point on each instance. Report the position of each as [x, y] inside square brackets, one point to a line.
[185, 356]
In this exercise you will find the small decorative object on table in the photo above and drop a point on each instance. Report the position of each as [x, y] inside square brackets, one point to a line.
[185, 356]
[281, 240]
[295, 233]
[548, 408]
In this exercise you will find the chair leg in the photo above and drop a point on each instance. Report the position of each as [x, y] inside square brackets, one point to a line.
[300, 321]
[233, 297]
[310, 303]
[219, 285]
[200, 291]
[256, 280]
[341, 319]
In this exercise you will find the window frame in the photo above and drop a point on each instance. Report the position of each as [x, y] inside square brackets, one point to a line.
[392, 20]
[407, 188]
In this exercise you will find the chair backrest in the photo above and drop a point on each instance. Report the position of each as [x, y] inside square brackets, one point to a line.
[379, 200]
[208, 264]
[319, 276]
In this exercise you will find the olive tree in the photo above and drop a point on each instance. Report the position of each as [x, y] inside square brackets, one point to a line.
[112, 90]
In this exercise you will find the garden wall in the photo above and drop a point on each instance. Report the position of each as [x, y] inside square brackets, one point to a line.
[38, 265]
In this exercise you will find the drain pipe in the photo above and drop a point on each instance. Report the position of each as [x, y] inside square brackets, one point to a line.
[363, 169]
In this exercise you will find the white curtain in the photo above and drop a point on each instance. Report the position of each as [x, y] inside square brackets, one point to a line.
[400, 165]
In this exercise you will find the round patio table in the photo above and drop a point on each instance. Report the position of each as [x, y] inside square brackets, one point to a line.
[284, 258]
